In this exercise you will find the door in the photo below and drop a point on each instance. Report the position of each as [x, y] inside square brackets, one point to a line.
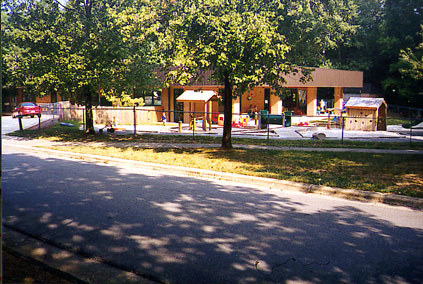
[267, 99]
[179, 106]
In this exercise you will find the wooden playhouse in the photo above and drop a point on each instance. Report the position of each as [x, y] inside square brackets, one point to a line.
[366, 114]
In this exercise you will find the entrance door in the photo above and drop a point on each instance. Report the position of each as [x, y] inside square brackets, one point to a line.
[179, 106]
[267, 99]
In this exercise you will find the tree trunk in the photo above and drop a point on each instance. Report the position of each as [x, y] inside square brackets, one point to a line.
[227, 126]
[89, 118]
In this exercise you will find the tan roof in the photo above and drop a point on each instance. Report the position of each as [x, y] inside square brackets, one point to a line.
[357, 102]
[195, 96]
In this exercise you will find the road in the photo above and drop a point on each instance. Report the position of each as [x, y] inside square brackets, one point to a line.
[9, 124]
[180, 229]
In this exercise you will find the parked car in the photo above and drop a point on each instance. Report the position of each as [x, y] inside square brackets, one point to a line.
[27, 109]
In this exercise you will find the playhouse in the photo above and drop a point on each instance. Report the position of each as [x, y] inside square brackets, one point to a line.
[366, 114]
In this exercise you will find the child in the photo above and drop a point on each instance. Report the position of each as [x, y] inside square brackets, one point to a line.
[164, 119]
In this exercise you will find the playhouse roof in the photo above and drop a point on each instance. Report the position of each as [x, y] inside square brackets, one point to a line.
[357, 102]
[195, 96]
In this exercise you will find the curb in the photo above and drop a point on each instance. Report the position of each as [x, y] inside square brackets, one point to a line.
[350, 194]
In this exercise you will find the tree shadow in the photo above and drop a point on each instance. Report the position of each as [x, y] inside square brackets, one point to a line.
[179, 229]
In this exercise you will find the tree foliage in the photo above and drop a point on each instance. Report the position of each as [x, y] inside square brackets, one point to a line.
[400, 30]
[414, 58]
[85, 47]
[82, 48]
[248, 43]
[237, 40]
[315, 30]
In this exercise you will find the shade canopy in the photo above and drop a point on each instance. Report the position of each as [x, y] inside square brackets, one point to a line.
[196, 96]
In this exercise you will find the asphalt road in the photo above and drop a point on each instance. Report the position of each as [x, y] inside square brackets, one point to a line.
[9, 124]
[181, 229]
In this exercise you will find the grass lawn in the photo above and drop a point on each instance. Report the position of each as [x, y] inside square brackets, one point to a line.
[400, 174]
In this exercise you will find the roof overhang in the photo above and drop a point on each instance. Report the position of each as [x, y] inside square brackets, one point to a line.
[326, 78]
[196, 96]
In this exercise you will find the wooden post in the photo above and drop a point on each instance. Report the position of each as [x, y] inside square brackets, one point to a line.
[205, 117]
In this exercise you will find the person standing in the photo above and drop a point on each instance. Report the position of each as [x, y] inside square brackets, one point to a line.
[164, 119]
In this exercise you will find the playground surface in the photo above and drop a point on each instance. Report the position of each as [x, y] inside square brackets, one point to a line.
[394, 133]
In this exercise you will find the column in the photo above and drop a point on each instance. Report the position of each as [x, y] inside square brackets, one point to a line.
[311, 101]
[275, 104]
[236, 106]
[339, 97]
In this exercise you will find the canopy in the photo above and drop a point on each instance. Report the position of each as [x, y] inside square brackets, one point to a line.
[195, 96]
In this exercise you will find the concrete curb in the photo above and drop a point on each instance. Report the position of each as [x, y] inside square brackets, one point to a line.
[351, 194]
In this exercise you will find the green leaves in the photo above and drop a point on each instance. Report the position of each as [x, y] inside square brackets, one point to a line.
[86, 44]
[237, 39]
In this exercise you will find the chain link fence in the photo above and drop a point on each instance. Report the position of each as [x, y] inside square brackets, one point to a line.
[261, 124]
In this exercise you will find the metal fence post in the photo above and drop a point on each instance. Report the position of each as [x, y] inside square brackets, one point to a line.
[268, 128]
[343, 127]
[83, 119]
[135, 121]
[193, 126]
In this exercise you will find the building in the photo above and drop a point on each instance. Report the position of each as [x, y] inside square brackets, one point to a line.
[302, 98]
[305, 99]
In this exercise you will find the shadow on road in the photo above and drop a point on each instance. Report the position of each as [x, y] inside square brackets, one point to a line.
[187, 230]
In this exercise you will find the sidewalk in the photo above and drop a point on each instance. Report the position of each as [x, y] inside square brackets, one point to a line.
[46, 143]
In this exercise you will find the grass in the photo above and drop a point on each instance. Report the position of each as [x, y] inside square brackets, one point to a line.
[73, 134]
[400, 174]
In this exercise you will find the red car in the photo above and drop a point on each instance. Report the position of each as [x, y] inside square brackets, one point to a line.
[27, 108]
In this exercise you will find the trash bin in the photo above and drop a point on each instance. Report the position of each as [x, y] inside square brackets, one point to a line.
[263, 118]
[266, 118]
[288, 118]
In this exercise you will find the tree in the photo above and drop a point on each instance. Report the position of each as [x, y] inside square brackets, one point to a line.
[5, 48]
[248, 43]
[399, 30]
[410, 68]
[415, 61]
[82, 48]
[316, 30]
[235, 39]
[361, 50]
